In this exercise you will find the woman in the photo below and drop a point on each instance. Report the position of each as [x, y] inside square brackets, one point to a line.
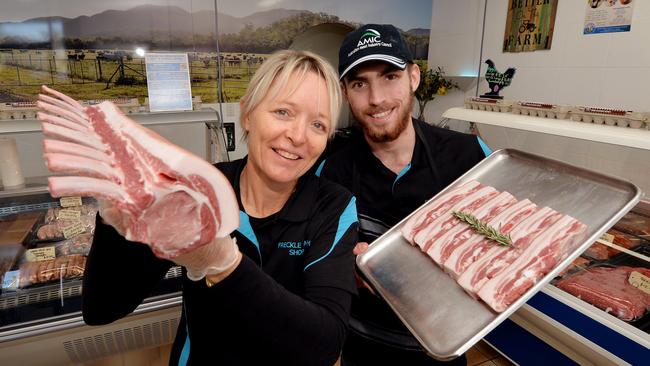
[282, 293]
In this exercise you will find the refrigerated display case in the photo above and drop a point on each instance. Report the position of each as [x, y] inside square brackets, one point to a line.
[40, 313]
[41, 267]
[591, 314]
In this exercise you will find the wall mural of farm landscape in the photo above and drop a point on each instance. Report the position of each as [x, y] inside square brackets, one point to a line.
[86, 48]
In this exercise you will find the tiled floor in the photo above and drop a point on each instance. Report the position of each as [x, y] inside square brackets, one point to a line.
[484, 355]
[480, 355]
[157, 356]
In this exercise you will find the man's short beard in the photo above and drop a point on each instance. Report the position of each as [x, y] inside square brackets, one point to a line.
[393, 132]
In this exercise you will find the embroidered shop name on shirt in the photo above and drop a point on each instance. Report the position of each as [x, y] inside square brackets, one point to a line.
[294, 247]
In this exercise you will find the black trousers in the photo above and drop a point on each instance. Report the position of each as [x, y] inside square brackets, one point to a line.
[361, 351]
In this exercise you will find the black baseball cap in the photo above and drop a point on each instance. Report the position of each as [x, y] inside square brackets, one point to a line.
[373, 42]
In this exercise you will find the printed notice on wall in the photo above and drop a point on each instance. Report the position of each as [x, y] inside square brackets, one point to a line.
[608, 16]
[168, 82]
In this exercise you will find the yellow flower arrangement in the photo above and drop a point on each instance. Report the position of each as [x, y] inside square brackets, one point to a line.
[432, 83]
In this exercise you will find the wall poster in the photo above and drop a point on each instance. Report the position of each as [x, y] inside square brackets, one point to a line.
[87, 48]
[529, 26]
[608, 16]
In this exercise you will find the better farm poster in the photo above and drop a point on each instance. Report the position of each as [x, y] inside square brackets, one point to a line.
[529, 26]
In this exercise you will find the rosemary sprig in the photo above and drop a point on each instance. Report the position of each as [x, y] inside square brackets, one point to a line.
[484, 229]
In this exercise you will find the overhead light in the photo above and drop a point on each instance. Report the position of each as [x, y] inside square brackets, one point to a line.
[139, 51]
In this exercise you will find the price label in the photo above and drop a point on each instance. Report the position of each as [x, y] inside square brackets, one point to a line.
[69, 214]
[73, 230]
[70, 201]
[640, 281]
[608, 237]
[40, 254]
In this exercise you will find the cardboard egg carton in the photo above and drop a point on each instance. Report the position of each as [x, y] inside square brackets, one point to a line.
[487, 104]
[611, 117]
[542, 110]
[18, 110]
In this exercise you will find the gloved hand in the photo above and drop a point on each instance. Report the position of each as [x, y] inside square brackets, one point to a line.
[112, 216]
[219, 256]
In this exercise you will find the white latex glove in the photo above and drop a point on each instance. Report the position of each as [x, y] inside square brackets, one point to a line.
[216, 257]
[219, 256]
[112, 216]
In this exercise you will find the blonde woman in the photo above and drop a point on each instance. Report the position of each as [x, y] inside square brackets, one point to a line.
[279, 291]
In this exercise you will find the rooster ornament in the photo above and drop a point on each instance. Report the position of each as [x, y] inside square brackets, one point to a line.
[496, 80]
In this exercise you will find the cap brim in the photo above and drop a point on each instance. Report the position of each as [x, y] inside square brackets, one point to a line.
[375, 57]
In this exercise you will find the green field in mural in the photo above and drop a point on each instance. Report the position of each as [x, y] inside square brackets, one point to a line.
[93, 57]
[85, 75]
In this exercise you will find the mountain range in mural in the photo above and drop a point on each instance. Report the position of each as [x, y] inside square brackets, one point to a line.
[147, 20]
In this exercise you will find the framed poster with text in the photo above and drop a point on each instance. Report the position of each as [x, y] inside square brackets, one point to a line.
[529, 26]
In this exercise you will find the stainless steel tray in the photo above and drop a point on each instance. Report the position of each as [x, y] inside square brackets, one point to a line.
[444, 319]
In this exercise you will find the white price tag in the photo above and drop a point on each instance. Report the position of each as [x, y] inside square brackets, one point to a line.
[40, 254]
[70, 201]
[73, 230]
[640, 281]
[69, 214]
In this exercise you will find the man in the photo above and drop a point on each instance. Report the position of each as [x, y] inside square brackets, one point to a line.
[393, 163]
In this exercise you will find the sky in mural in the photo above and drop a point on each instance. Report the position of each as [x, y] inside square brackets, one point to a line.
[405, 14]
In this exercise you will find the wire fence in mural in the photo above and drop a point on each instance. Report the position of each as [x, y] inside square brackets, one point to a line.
[107, 73]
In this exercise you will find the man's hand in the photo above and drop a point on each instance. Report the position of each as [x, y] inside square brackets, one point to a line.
[360, 248]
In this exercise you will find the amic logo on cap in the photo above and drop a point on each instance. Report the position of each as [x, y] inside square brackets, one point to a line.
[369, 36]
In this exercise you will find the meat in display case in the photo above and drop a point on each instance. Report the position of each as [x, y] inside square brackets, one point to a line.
[600, 304]
[617, 279]
[595, 312]
[43, 247]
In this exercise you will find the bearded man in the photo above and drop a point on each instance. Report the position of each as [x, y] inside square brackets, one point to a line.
[393, 163]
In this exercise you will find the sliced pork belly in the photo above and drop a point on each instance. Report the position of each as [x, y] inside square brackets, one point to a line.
[498, 257]
[446, 221]
[468, 252]
[446, 243]
[437, 207]
[543, 254]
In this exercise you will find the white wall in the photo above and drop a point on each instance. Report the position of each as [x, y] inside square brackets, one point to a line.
[606, 70]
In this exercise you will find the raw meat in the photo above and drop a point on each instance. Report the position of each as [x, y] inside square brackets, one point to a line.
[608, 289]
[54, 229]
[445, 244]
[544, 253]
[499, 257]
[446, 221]
[499, 275]
[599, 252]
[170, 199]
[437, 207]
[635, 224]
[476, 246]
[577, 264]
[66, 267]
